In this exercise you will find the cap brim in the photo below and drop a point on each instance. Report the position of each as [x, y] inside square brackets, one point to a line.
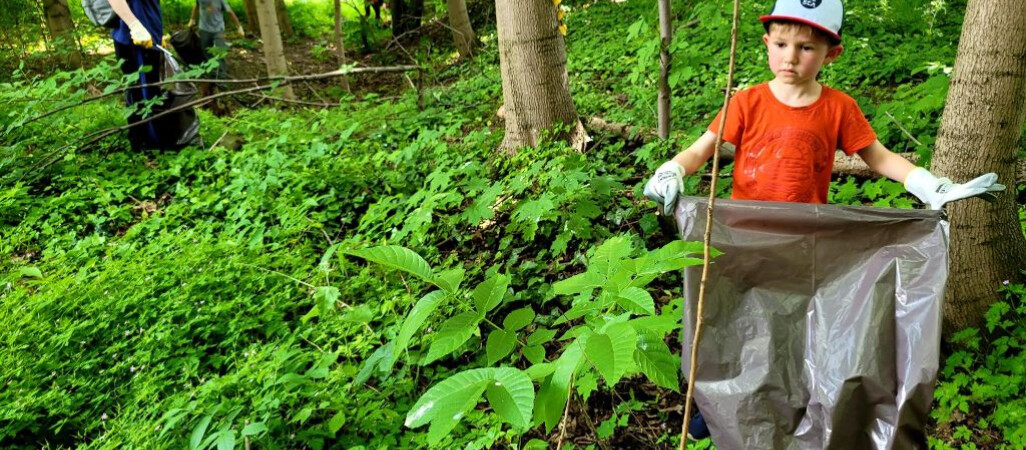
[800, 20]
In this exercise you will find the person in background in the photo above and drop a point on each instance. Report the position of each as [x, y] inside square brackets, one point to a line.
[133, 44]
[210, 14]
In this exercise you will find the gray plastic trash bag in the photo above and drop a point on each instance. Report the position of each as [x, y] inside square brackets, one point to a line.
[822, 324]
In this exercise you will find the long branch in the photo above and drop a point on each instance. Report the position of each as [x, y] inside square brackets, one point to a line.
[707, 241]
[286, 79]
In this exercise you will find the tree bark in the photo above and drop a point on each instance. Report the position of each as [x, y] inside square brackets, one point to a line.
[462, 32]
[62, 30]
[665, 37]
[980, 132]
[341, 42]
[535, 85]
[253, 18]
[284, 23]
[274, 53]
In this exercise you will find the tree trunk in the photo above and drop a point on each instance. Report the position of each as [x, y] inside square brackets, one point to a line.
[274, 53]
[62, 30]
[665, 37]
[980, 132]
[462, 33]
[535, 85]
[341, 42]
[284, 23]
[252, 18]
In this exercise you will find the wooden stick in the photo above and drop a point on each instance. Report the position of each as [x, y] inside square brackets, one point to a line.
[287, 79]
[708, 231]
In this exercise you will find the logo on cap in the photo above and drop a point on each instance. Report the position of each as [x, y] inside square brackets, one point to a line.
[811, 4]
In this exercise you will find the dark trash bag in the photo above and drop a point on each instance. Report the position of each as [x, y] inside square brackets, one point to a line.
[180, 128]
[187, 43]
[822, 323]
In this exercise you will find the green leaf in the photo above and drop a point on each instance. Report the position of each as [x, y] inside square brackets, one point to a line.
[359, 314]
[518, 319]
[534, 353]
[489, 293]
[656, 361]
[450, 280]
[326, 297]
[396, 257]
[541, 336]
[512, 396]
[336, 422]
[636, 300]
[582, 282]
[324, 264]
[254, 429]
[452, 334]
[226, 440]
[555, 391]
[415, 319]
[500, 344]
[30, 272]
[540, 370]
[196, 438]
[375, 362]
[612, 352]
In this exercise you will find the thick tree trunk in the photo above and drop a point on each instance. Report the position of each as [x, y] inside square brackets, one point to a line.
[462, 32]
[253, 18]
[980, 132]
[284, 23]
[62, 30]
[665, 37]
[340, 40]
[274, 53]
[535, 86]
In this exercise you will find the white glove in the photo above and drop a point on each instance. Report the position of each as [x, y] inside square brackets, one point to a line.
[140, 35]
[938, 191]
[666, 185]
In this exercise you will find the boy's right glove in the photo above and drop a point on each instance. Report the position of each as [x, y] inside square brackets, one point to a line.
[666, 185]
[938, 191]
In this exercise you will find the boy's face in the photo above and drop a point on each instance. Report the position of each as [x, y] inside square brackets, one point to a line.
[796, 54]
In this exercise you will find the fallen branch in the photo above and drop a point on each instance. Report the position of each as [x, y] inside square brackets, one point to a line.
[286, 79]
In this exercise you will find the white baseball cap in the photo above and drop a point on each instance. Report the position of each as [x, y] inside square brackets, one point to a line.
[825, 15]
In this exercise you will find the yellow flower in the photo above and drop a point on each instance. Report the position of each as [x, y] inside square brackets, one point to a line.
[556, 2]
[560, 15]
[562, 29]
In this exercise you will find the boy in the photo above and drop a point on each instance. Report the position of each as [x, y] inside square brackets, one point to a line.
[785, 131]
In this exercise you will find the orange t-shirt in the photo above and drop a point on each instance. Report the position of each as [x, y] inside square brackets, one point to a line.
[785, 153]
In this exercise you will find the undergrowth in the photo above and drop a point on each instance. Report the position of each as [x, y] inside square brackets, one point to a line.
[222, 295]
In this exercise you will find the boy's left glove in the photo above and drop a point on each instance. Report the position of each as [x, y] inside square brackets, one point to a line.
[666, 185]
[938, 191]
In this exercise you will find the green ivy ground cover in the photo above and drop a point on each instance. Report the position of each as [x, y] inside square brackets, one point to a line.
[315, 278]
